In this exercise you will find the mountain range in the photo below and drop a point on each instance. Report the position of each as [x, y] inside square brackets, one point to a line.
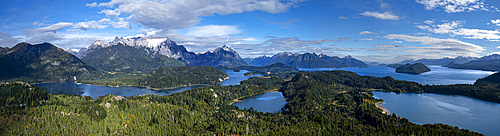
[149, 53]
[440, 62]
[41, 62]
[306, 60]
[488, 65]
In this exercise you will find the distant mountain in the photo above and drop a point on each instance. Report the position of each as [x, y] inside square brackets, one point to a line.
[69, 50]
[121, 58]
[307, 60]
[490, 57]
[416, 68]
[372, 63]
[440, 62]
[41, 63]
[274, 68]
[153, 45]
[3, 50]
[222, 56]
[491, 80]
[258, 61]
[488, 65]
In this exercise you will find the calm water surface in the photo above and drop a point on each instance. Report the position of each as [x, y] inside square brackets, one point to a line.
[455, 110]
[236, 77]
[437, 76]
[268, 102]
[95, 91]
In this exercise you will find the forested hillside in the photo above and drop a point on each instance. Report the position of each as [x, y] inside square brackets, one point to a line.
[319, 103]
[163, 77]
[128, 59]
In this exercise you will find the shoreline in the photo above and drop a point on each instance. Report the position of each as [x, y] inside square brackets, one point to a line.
[238, 99]
[384, 111]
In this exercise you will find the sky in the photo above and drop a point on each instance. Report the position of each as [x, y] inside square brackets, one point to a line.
[386, 31]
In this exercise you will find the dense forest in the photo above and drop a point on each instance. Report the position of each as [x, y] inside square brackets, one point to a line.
[417, 68]
[319, 103]
[128, 59]
[163, 77]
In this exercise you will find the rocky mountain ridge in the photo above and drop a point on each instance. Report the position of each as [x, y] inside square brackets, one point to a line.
[307, 60]
[156, 47]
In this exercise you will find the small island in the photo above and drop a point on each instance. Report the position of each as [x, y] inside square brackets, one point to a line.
[417, 68]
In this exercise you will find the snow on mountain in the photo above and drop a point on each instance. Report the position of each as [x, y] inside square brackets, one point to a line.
[164, 46]
[72, 51]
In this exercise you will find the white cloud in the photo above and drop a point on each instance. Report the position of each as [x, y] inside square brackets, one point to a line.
[364, 39]
[91, 4]
[90, 25]
[49, 37]
[397, 42]
[496, 22]
[121, 23]
[430, 22]
[104, 21]
[111, 13]
[441, 46]
[289, 44]
[51, 28]
[454, 6]
[213, 30]
[387, 46]
[366, 32]
[384, 5]
[454, 28]
[36, 23]
[498, 47]
[342, 17]
[386, 15]
[181, 14]
[285, 24]
[7, 40]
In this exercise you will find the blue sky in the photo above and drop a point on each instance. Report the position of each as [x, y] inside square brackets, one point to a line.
[385, 31]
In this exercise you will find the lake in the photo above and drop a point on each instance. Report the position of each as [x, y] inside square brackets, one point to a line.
[236, 77]
[271, 102]
[95, 91]
[437, 76]
[455, 110]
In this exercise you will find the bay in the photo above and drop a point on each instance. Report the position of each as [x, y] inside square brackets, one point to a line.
[271, 102]
[455, 110]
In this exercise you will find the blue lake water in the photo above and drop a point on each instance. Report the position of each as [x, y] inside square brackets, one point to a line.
[95, 91]
[268, 102]
[236, 77]
[437, 76]
[455, 110]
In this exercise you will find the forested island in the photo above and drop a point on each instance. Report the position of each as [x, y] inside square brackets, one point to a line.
[319, 103]
[416, 69]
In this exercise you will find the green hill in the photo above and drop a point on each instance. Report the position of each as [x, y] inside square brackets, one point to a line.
[417, 68]
[491, 80]
[41, 63]
[120, 58]
[165, 77]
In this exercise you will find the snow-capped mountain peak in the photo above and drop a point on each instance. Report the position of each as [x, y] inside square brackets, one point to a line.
[147, 42]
